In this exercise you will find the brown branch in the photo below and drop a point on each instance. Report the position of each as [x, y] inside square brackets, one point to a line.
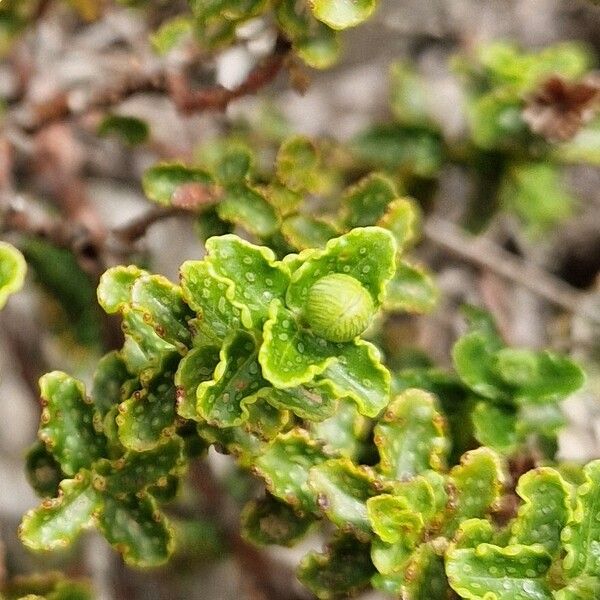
[136, 228]
[487, 255]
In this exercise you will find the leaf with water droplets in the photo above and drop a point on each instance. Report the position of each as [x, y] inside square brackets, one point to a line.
[137, 529]
[581, 588]
[366, 253]
[256, 276]
[212, 297]
[343, 570]
[546, 509]
[476, 485]
[489, 572]
[223, 400]
[67, 423]
[342, 490]
[410, 436]
[148, 417]
[393, 518]
[12, 271]
[56, 523]
[425, 578]
[582, 534]
[358, 374]
[268, 521]
[290, 355]
[412, 289]
[114, 289]
[285, 464]
[110, 375]
[196, 367]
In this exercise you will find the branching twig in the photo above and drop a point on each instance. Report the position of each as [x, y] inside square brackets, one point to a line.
[484, 253]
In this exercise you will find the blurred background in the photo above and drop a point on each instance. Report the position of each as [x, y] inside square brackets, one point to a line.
[61, 163]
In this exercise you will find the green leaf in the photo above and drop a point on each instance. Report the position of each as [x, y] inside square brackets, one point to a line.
[475, 486]
[342, 490]
[393, 519]
[545, 511]
[268, 521]
[114, 289]
[234, 164]
[512, 573]
[284, 465]
[12, 271]
[496, 427]
[580, 536]
[196, 367]
[135, 527]
[223, 400]
[343, 570]
[247, 207]
[212, 296]
[312, 401]
[256, 275]
[541, 377]
[410, 436]
[411, 289]
[297, 164]
[403, 218]
[359, 375]
[43, 471]
[290, 355]
[425, 576]
[164, 308]
[366, 202]
[265, 420]
[110, 376]
[408, 95]
[56, 523]
[342, 14]
[161, 181]
[366, 253]
[148, 417]
[302, 232]
[132, 130]
[473, 532]
[285, 201]
[582, 588]
[67, 423]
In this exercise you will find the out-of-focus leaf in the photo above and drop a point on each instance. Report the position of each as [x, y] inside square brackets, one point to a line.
[12, 271]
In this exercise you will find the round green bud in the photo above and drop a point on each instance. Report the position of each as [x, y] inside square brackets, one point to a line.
[338, 308]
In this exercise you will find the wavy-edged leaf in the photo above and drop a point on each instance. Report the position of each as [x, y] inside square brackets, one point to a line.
[256, 275]
[161, 181]
[196, 367]
[269, 521]
[341, 571]
[212, 296]
[312, 401]
[393, 519]
[581, 588]
[67, 423]
[302, 232]
[290, 355]
[247, 207]
[580, 536]
[114, 289]
[242, 444]
[425, 578]
[148, 417]
[545, 511]
[366, 202]
[110, 375]
[366, 253]
[403, 218]
[285, 464]
[285, 201]
[297, 163]
[223, 400]
[512, 573]
[410, 436]
[266, 421]
[56, 523]
[358, 374]
[137, 471]
[342, 491]
[43, 471]
[476, 485]
[342, 14]
[411, 289]
[137, 529]
[12, 271]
